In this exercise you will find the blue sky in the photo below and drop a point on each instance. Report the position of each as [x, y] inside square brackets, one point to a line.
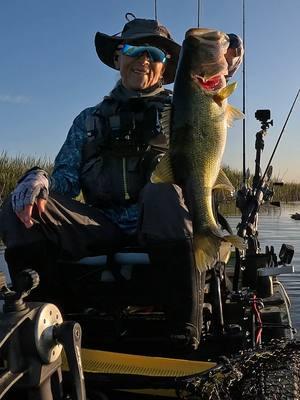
[49, 70]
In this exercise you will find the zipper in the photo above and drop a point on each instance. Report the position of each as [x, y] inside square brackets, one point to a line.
[127, 197]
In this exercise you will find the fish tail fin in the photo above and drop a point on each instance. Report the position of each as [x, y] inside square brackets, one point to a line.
[208, 248]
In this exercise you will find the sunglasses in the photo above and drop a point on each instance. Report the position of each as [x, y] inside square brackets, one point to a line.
[155, 54]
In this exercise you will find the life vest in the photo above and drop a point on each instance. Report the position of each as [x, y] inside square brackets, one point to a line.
[125, 141]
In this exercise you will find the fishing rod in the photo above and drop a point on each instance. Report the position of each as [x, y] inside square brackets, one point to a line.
[199, 11]
[244, 97]
[278, 140]
[248, 199]
[155, 10]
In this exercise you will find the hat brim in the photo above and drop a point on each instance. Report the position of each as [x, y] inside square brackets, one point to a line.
[106, 46]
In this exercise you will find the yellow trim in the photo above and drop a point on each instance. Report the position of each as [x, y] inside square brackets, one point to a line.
[169, 393]
[127, 197]
[96, 361]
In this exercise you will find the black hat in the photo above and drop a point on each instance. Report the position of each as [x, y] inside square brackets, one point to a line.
[140, 31]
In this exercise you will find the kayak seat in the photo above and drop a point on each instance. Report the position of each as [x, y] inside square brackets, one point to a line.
[117, 296]
[123, 276]
[109, 279]
[115, 265]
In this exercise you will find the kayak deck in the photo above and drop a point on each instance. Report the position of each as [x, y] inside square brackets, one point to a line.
[105, 362]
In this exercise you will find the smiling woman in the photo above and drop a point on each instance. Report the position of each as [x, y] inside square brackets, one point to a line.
[139, 72]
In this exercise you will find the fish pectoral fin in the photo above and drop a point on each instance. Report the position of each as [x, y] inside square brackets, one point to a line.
[163, 172]
[236, 241]
[224, 93]
[223, 182]
[232, 114]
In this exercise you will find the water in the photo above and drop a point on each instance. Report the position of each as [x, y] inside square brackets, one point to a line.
[275, 228]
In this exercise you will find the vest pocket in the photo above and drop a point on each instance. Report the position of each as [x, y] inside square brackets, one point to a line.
[96, 182]
[108, 180]
[98, 161]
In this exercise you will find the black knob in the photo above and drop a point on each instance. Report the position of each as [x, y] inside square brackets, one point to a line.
[26, 281]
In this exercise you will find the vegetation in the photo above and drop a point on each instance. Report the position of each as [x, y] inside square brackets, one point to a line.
[289, 192]
[12, 168]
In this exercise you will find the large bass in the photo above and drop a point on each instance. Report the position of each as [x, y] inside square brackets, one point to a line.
[200, 119]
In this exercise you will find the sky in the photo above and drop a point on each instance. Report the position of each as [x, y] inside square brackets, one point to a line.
[49, 69]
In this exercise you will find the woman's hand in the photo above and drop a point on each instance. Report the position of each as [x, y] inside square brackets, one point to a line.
[32, 188]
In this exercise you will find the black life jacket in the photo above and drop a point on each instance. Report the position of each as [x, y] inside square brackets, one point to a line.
[125, 141]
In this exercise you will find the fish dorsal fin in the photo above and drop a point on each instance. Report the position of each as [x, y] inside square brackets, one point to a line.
[223, 182]
[233, 114]
[224, 93]
[163, 171]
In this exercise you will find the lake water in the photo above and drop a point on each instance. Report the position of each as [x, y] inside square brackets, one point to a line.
[275, 228]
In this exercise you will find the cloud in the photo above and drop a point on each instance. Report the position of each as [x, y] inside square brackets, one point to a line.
[6, 98]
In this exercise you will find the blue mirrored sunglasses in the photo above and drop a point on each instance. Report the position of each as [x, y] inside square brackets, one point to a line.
[155, 54]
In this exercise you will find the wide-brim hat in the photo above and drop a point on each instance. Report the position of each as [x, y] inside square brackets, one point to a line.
[140, 31]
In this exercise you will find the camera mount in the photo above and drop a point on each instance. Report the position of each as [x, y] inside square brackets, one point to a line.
[264, 117]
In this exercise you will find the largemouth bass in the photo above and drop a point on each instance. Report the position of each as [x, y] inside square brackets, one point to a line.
[200, 119]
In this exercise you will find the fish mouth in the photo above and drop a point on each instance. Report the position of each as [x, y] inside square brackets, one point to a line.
[212, 84]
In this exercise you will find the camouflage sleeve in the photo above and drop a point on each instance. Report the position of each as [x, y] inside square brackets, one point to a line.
[65, 178]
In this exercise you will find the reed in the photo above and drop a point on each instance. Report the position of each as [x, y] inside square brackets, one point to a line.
[12, 168]
[289, 192]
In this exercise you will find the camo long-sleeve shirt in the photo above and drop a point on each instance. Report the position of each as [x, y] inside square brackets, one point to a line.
[65, 178]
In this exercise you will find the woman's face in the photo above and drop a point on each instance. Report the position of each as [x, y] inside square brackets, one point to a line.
[139, 73]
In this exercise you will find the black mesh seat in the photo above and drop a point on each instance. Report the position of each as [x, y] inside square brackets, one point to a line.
[109, 261]
[111, 279]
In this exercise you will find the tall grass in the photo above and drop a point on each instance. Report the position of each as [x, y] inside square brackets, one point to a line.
[289, 192]
[12, 168]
